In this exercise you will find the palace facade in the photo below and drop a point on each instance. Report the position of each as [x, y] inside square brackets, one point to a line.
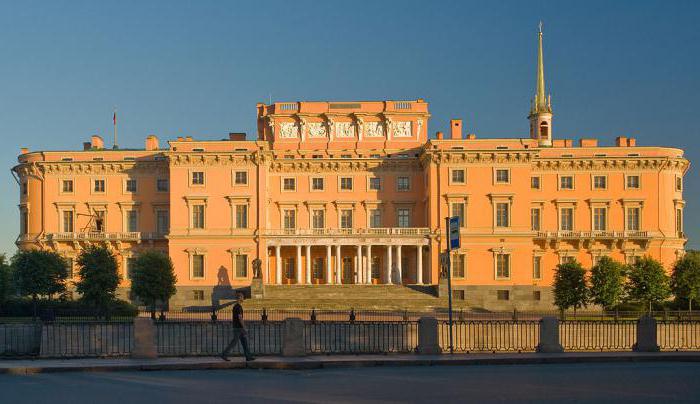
[357, 193]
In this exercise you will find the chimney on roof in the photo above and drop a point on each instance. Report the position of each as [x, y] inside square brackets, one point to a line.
[588, 142]
[439, 135]
[236, 136]
[87, 145]
[23, 150]
[455, 129]
[96, 142]
[631, 142]
[471, 136]
[180, 139]
[621, 141]
[188, 138]
[152, 142]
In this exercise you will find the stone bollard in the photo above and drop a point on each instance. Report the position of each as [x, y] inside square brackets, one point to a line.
[428, 343]
[646, 335]
[144, 339]
[293, 337]
[549, 336]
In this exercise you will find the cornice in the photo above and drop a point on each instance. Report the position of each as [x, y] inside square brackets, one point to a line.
[93, 167]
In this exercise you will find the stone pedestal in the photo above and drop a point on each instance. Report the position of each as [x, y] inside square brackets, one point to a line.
[144, 339]
[293, 337]
[428, 342]
[646, 335]
[443, 291]
[257, 289]
[549, 336]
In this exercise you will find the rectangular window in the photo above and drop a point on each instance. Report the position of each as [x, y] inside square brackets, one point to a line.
[319, 219]
[633, 216]
[198, 266]
[290, 219]
[600, 182]
[458, 211]
[458, 294]
[458, 261]
[99, 186]
[679, 183]
[375, 218]
[241, 216]
[502, 215]
[289, 268]
[24, 188]
[404, 217]
[376, 267]
[131, 185]
[289, 184]
[346, 183]
[162, 221]
[240, 178]
[162, 185]
[503, 294]
[502, 265]
[241, 266]
[567, 259]
[317, 184]
[632, 181]
[131, 221]
[375, 184]
[129, 270]
[536, 295]
[99, 220]
[566, 182]
[535, 219]
[68, 221]
[535, 182]
[537, 268]
[197, 216]
[502, 176]
[679, 221]
[23, 225]
[197, 295]
[318, 268]
[566, 221]
[458, 176]
[403, 184]
[197, 177]
[600, 219]
[346, 219]
[67, 186]
[69, 264]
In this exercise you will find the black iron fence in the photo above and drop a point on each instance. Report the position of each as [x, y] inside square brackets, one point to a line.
[332, 337]
[597, 335]
[490, 335]
[678, 335]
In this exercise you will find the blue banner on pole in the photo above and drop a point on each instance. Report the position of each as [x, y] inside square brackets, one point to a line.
[454, 233]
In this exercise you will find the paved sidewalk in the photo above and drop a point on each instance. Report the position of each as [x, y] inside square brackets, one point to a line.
[29, 366]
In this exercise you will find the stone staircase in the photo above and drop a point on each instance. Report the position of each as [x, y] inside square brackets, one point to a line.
[345, 297]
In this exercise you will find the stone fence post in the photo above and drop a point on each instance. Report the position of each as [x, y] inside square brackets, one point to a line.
[428, 342]
[144, 339]
[646, 335]
[549, 336]
[293, 337]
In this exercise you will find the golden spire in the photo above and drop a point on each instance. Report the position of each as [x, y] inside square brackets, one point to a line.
[541, 103]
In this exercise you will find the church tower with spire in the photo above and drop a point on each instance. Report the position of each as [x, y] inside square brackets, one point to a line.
[541, 107]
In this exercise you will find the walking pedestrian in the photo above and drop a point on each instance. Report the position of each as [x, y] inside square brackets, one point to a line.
[240, 332]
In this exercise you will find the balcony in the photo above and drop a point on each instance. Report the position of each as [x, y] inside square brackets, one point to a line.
[381, 231]
[95, 236]
[587, 235]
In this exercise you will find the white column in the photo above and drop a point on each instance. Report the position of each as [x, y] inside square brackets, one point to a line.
[329, 269]
[338, 259]
[368, 271]
[300, 272]
[398, 265]
[278, 265]
[308, 264]
[358, 266]
[388, 264]
[419, 264]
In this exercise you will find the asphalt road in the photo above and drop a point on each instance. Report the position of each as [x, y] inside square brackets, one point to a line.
[614, 383]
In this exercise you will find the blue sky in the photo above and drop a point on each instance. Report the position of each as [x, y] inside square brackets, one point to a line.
[198, 68]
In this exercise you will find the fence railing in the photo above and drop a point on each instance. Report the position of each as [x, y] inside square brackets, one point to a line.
[330, 337]
[678, 335]
[490, 335]
[597, 335]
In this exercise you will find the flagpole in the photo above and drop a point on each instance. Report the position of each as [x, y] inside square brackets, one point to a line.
[114, 120]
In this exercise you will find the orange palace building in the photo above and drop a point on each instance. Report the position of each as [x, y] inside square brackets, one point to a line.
[356, 193]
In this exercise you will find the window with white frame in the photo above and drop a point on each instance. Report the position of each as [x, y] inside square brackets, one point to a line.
[198, 213]
[98, 186]
[502, 176]
[67, 186]
[600, 218]
[458, 265]
[535, 219]
[241, 216]
[68, 221]
[375, 218]
[197, 266]
[289, 268]
[566, 182]
[458, 176]
[502, 266]
[633, 218]
[375, 184]
[458, 210]
[404, 217]
[566, 219]
[318, 268]
[162, 185]
[376, 267]
[346, 183]
[289, 184]
[502, 214]
[162, 221]
[679, 220]
[197, 178]
[241, 262]
[679, 183]
[537, 267]
[346, 219]
[24, 221]
[317, 184]
[318, 219]
[567, 259]
[632, 182]
[535, 183]
[290, 219]
[131, 185]
[240, 178]
[600, 182]
[132, 219]
[403, 183]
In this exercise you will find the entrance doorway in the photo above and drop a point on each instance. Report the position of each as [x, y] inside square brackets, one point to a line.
[348, 270]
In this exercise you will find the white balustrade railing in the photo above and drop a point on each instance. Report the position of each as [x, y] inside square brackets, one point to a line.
[381, 231]
[566, 234]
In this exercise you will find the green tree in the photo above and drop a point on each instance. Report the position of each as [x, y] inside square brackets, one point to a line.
[153, 278]
[99, 277]
[570, 289]
[685, 280]
[5, 279]
[607, 283]
[39, 273]
[647, 282]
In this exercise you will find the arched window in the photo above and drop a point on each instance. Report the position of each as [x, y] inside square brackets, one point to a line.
[544, 130]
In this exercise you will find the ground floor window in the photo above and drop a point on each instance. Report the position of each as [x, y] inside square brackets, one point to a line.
[289, 268]
[198, 295]
[503, 294]
[318, 268]
[376, 267]
[241, 266]
[348, 270]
